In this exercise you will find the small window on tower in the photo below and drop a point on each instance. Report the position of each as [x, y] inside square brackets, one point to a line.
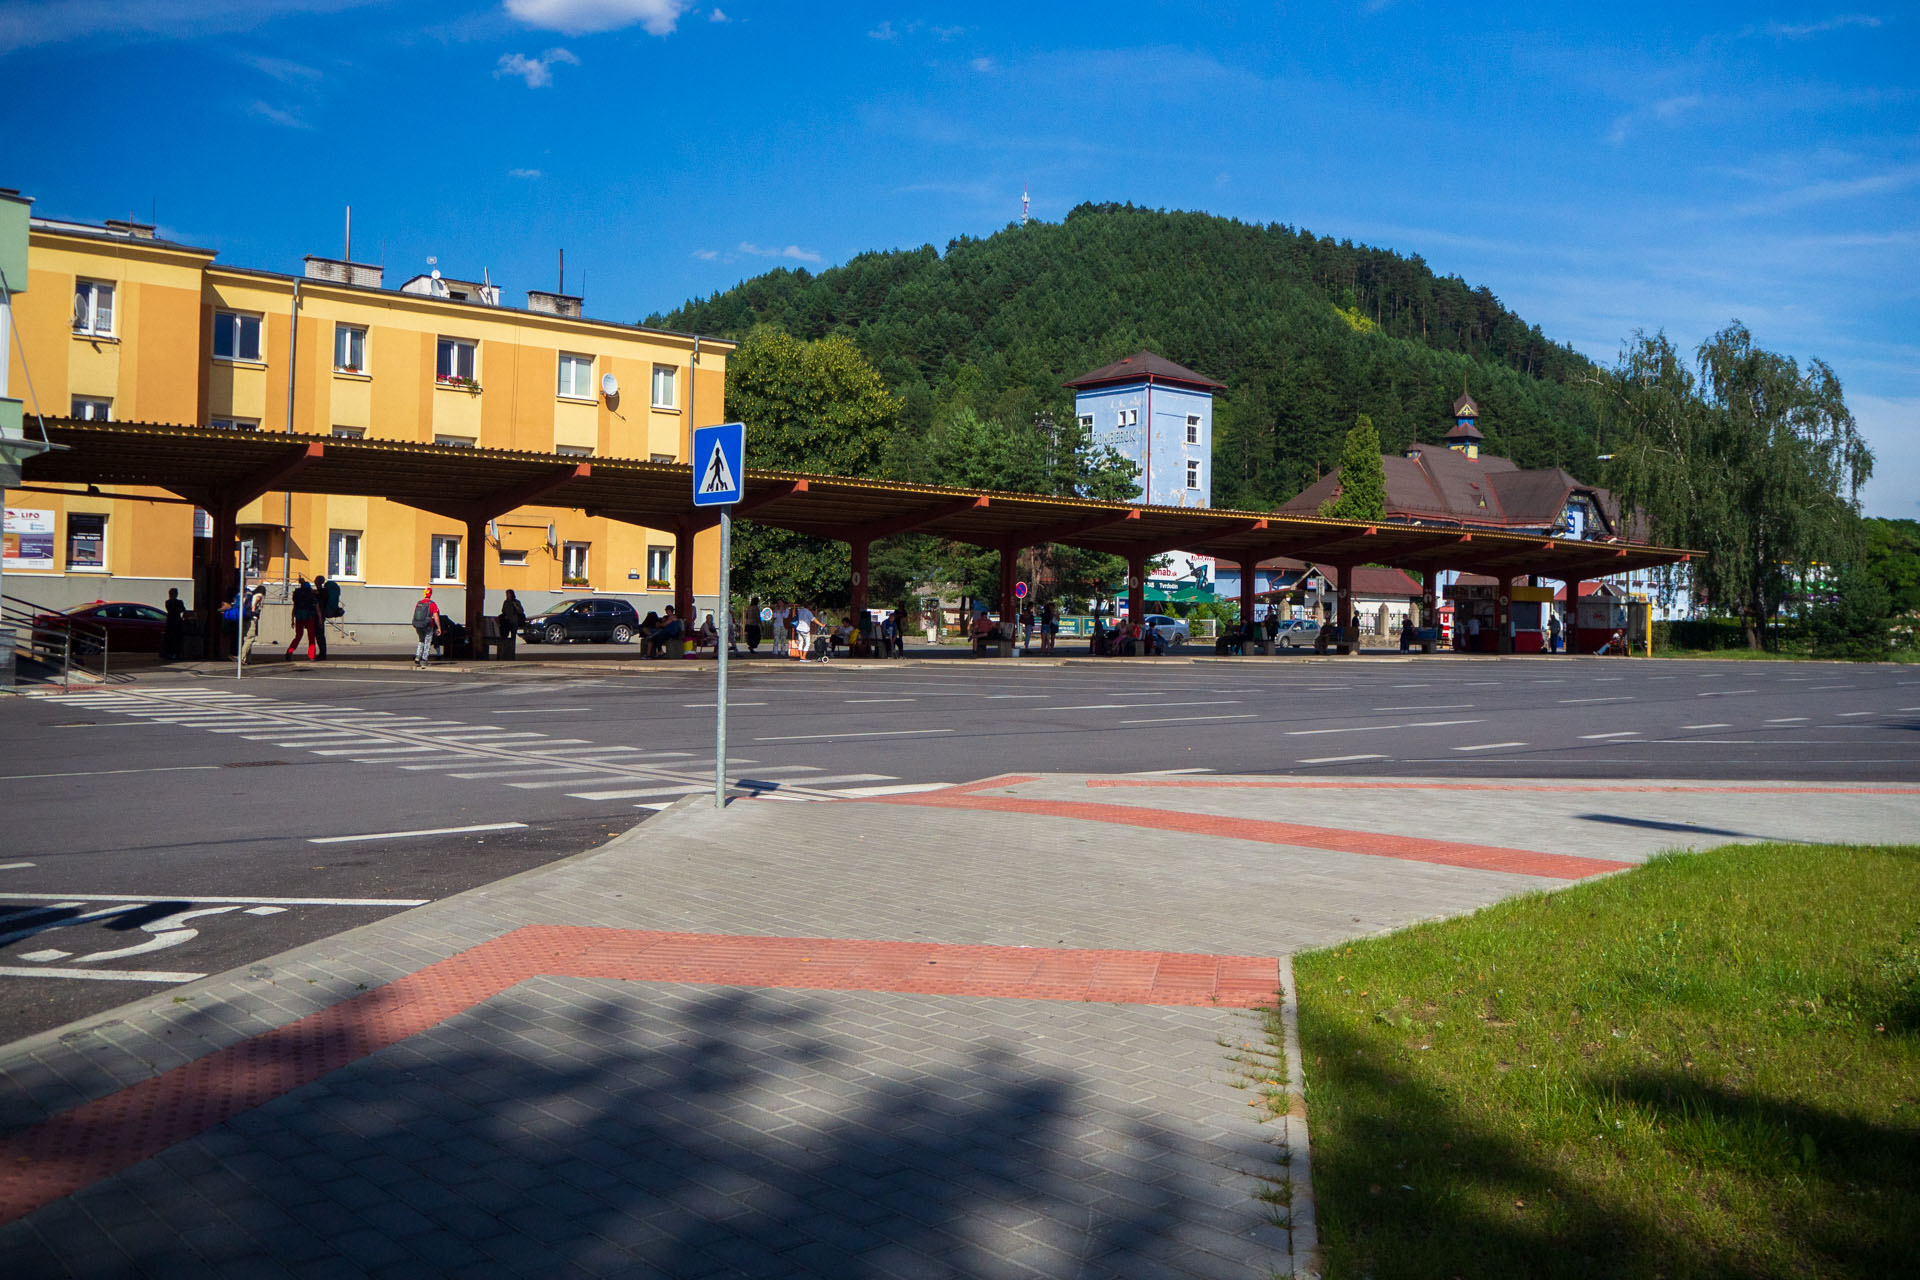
[1193, 475]
[1193, 428]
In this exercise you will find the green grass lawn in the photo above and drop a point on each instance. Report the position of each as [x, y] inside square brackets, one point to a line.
[1708, 1066]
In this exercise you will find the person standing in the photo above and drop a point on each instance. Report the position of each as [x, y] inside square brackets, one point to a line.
[512, 617]
[753, 624]
[320, 586]
[426, 625]
[306, 614]
[1406, 633]
[1026, 627]
[329, 608]
[1553, 633]
[176, 626]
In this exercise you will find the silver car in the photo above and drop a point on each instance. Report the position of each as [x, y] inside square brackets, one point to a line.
[1173, 632]
[1298, 633]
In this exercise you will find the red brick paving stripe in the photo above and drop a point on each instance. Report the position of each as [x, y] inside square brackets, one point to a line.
[1326, 784]
[1446, 853]
[73, 1150]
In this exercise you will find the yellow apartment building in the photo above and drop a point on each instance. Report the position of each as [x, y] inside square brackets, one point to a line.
[119, 324]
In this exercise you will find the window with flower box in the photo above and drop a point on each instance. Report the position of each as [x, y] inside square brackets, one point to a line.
[457, 364]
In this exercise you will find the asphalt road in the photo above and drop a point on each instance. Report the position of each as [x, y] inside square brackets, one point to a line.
[180, 825]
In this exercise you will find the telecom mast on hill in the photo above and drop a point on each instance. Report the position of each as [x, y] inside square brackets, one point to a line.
[1025, 205]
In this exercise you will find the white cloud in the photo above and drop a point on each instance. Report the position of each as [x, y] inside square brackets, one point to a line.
[884, 31]
[983, 65]
[523, 173]
[584, 17]
[793, 251]
[537, 71]
[1665, 111]
[706, 255]
[1800, 31]
[718, 16]
[1891, 427]
[285, 119]
[25, 24]
[284, 70]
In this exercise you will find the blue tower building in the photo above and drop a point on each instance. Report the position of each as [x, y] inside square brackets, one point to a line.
[1159, 416]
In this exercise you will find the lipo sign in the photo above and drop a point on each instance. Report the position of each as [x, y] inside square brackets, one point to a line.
[26, 539]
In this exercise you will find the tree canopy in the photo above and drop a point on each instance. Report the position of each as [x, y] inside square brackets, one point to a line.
[1363, 479]
[1305, 331]
[1743, 456]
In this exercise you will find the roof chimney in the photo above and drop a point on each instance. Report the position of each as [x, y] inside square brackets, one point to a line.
[554, 304]
[340, 271]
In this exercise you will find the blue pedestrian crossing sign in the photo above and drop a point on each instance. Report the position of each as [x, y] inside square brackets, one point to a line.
[719, 464]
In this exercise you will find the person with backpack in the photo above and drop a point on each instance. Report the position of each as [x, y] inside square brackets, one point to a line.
[512, 617]
[328, 590]
[426, 625]
[306, 619]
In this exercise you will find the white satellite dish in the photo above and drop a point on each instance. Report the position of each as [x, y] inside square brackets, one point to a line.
[609, 385]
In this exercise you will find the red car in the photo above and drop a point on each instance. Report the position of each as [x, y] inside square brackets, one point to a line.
[129, 627]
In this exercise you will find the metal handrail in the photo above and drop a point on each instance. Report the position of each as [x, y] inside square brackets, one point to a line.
[25, 614]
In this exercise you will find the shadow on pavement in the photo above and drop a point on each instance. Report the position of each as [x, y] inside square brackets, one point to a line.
[1654, 824]
[588, 1127]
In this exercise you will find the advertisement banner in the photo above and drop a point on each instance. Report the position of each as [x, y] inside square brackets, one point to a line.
[28, 539]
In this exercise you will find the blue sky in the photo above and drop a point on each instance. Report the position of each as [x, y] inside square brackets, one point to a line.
[1601, 168]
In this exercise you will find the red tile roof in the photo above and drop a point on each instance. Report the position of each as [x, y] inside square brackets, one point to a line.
[1144, 366]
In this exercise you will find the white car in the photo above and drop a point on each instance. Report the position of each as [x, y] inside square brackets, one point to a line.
[1298, 633]
[1173, 632]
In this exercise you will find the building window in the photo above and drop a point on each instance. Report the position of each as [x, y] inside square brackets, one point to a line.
[236, 336]
[660, 457]
[90, 409]
[574, 450]
[234, 424]
[349, 433]
[1193, 428]
[659, 568]
[1127, 418]
[663, 387]
[92, 308]
[87, 543]
[512, 557]
[1086, 421]
[576, 377]
[446, 559]
[458, 442]
[1193, 474]
[573, 564]
[349, 349]
[343, 554]
[456, 363]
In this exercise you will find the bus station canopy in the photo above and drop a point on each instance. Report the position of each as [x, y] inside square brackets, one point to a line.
[225, 469]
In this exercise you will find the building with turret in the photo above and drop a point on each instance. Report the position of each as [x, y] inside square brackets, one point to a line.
[1159, 416]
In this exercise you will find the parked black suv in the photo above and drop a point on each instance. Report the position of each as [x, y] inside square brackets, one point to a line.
[593, 619]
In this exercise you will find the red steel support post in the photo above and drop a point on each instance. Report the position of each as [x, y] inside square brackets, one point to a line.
[1136, 589]
[1009, 570]
[1343, 608]
[1430, 606]
[1503, 616]
[683, 576]
[857, 584]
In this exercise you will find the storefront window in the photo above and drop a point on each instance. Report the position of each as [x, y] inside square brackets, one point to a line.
[86, 542]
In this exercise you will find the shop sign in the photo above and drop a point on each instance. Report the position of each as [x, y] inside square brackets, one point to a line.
[28, 539]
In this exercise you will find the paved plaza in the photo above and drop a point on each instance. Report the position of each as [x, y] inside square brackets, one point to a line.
[1010, 1028]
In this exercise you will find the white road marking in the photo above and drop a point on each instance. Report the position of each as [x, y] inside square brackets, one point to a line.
[829, 780]
[539, 711]
[634, 793]
[45, 956]
[694, 706]
[263, 911]
[521, 772]
[101, 975]
[991, 696]
[1706, 726]
[1371, 728]
[1596, 737]
[1491, 746]
[1432, 706]
[372, 751]
[1180, 719]
[1789, 720]
[1567, 702]
[108, 773]
[887, 733]
[14, 866]
[1723, 693]
[59, 900]
[1845, 714]
[430, 831]
[898, 789]
[857, 701]
[1339, 759]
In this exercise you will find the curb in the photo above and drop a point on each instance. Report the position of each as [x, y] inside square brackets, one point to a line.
[1302, 1220]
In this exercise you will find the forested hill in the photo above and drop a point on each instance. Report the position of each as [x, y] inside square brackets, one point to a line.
[1305, 331]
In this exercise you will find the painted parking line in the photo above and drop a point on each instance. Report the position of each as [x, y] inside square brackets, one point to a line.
[539, 711]
[1341, 759]
[98, 975]
[1599, 737]
[1491, 746]
[879, 733]
[430, 831]
[1248, 715]
[1567, 702]
[14, 866]
[1706, 726]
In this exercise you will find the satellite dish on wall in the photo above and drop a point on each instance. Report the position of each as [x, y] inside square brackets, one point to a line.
[609, 385]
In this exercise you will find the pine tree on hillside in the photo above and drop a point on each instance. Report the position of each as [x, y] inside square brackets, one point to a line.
[1363, 480]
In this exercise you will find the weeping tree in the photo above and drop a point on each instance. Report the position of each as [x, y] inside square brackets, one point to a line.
[1742, 455]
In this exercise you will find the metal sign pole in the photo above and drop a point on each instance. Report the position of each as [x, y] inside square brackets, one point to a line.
[720, 646]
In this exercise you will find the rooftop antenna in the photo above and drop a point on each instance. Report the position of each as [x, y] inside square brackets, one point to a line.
[1025, 204]
[563, 273]
[349, 250]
